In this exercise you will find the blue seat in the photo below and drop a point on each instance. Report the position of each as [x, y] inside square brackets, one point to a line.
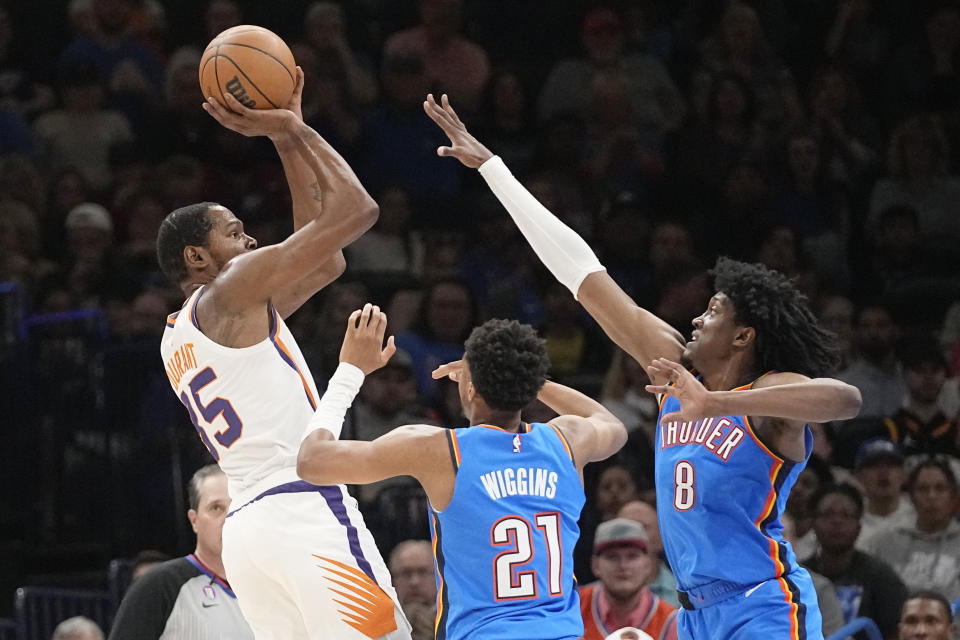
[866, 625]
[38, 610]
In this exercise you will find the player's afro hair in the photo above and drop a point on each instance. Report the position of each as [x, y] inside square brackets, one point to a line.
[183, 227]
[508, 363]
[789, 337]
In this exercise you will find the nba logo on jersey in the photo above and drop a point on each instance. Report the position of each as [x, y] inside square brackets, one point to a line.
[516, 443]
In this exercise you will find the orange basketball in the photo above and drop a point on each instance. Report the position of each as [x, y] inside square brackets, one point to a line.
[251, 63]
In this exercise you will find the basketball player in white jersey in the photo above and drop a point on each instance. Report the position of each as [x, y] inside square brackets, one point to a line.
[298, 556]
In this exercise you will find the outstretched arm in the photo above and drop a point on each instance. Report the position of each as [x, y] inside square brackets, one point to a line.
[414, 450]
[568, 257]
[289, 270]
[787, 396]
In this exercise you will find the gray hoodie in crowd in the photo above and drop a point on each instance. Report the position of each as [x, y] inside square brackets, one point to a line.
[922, 560]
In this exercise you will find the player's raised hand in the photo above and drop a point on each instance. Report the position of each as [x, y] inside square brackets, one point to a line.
[296, 98]
[363, 342]
[693, 396]
[452, 370]
[464, 147]
[250, 122]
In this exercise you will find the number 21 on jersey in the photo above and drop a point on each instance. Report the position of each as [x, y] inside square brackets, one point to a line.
[510, 581]
[215, 408]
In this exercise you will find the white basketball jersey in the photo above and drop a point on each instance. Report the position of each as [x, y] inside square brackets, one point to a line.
[250, 405]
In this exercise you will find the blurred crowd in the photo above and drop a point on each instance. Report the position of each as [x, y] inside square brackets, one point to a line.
[819, 138]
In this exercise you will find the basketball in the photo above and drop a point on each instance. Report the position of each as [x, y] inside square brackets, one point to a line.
[252, 64]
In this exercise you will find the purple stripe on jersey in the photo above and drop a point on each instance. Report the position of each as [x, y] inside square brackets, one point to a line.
[193, 310]
[334, 497]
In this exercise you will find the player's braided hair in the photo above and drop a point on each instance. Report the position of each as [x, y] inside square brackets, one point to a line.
[183, 227]
[789, 337]
[508, 363]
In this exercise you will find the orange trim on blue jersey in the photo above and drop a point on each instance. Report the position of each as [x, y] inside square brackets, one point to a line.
[454, 448]
[794, 609]
[493, 426]
[563, 439]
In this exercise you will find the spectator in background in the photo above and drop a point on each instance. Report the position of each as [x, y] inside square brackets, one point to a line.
[454, 64]
[391, 250]
[926, 615]
[719, 137]
[506, 114]
[414, 578]
[624, 565]
[577, 351]
[624, 394]
[926, 554]
[683, 291]
[219, 16]
[78, 628]
[616, 487]
[920, 426]
[816, 474]
[874, 369]
[663, 584]
[447, 314]
[325, 26]
[739, 45]
[919, 176]
[82, 133]
[811, 204]
[865, 585]
[836, 316]
[879, 469]
[144, 561]
[652, 98]
[20, 260]
[399, 143]
[128, 70]
[189, 596]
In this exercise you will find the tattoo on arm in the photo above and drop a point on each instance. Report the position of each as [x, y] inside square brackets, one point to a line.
[317, 192]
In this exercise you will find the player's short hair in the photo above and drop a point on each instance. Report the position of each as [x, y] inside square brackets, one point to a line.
[183, 227]
[842, 489]
[193, 487]
[930, 594]
[788, 335]
[931, 462]
[508, 363]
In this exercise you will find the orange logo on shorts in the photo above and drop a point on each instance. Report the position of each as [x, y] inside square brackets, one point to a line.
[368, 609]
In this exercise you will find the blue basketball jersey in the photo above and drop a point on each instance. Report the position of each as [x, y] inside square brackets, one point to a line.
[720, 493]
[504, 544]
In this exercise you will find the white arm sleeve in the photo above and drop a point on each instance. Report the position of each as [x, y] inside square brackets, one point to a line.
[343, 387]
[568, 257]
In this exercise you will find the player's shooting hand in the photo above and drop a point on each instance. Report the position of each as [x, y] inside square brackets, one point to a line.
[464, 147]
[296, 100]
[363, 342]
[451, 370]
[693, 396]
[250, 122]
